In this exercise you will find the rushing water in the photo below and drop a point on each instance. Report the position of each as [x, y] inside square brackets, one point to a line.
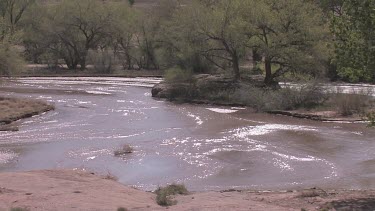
[202, 146]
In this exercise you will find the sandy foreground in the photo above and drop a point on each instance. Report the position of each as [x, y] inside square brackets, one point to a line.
[79, 190]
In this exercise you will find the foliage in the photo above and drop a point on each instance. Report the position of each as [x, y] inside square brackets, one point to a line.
[354, 30]
[68, 30]
[290, 34]
[201, 36]
[308, 95]
[213, 32]
[163, 194]
[11, 12]
[10, 60]
[178, 75]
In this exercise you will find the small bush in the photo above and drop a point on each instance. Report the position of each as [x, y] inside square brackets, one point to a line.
[163, 194]
[122, 209]
[177, 75]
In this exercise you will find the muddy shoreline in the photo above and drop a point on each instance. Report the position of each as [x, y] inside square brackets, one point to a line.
[80, 190]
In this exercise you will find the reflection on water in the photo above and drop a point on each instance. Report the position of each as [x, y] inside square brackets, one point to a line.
[205, 147]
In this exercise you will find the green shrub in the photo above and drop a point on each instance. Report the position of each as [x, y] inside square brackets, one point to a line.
[122, 209]
[163, 194]
[177, 75]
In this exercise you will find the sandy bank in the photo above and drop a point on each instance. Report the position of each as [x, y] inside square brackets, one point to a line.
[77, 190]
[13, 109]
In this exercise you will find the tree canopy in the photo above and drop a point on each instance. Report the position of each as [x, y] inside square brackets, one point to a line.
[234, 37]
[354, 32]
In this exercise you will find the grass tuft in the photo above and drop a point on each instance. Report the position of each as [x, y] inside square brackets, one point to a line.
[126, 149]
[163, 194]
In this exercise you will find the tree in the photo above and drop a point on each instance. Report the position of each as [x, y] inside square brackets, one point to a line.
[215, 31]
[69, 29]
[290, 35]
[330, 6]
[12, 11]
[354, 32]
[124, 32]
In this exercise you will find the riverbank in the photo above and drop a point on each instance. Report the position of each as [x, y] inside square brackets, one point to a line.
[79, 190]
[319, 102]
[13, 109]
[40, 70]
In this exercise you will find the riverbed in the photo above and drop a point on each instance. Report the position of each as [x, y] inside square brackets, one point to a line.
[205, 147]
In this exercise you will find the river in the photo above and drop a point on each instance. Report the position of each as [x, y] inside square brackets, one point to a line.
[205, 147]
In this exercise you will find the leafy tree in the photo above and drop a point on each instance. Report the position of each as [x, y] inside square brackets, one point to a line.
[331, 6]
[11, 12]
[124, 34]
[214, 29]
[354, 32]
[289, 34]
[69, 29]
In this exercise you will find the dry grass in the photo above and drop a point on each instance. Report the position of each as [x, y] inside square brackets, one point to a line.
[352, 103]
[163, 194]
[126, 149]
[110, 176]
[13, 109]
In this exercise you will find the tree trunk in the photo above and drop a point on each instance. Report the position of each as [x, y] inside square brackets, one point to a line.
[72, 65]
[82, 59]
[82, 63]
[236, 66]
[269, 79]
[256, 58]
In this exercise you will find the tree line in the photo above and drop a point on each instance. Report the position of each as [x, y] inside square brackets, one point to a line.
[313, 37]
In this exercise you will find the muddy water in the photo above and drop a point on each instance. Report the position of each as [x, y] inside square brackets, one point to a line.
[204, 147]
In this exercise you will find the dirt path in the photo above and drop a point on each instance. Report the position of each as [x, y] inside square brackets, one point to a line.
[77, 190]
